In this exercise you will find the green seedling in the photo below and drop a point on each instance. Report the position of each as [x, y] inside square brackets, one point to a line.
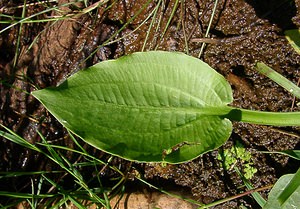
[238, 153]
[139, 105]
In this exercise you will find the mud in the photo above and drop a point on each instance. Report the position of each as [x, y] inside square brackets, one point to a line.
[242, 33]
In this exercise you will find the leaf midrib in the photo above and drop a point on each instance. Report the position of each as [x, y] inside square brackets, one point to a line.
[207, 110]
[198, 100]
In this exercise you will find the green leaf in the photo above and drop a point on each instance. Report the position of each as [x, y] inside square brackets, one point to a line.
[139, 106]
[293, 37]
[293, 187]
[285, 194]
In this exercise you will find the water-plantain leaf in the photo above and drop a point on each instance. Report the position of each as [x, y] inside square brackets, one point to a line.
[148, 106]
[291, 189]
[285, 194]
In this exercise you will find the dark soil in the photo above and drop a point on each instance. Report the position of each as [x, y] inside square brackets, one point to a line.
[243, 32]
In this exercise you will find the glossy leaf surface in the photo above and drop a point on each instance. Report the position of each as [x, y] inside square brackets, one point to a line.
[142, 105]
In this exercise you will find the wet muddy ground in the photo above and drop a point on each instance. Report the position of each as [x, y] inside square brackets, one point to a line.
[242, 32]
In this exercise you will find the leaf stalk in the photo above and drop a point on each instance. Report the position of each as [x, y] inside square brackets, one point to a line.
[263, 117]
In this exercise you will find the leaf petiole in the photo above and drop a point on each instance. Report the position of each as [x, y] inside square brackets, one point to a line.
[263, 117]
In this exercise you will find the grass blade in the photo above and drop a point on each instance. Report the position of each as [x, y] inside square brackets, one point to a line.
[24, 195]
[293, 37]
[6, 174]
[12, 136]
[208, 27]
[279, 79]
[258, 198]
[170, 18]
[291, 153]
[76, 203]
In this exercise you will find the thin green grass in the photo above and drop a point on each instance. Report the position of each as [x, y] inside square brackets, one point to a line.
[13, 20]
[25, 195]
[154, 12]
[295, 154]
[65, 164]
[258, 198]
[57, 196]
[25, 173]
[23, 20]
[112, 39]
[30, 18]
[168, 21]
[208, 27]
[17, 52]
[182, 15]
[108, 42]
[83, 191]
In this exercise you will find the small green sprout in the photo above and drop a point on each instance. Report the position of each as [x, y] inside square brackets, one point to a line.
[235, 154]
